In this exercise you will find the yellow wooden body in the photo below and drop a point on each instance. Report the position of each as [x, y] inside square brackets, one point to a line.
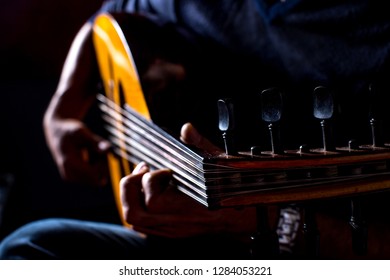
[118, 72]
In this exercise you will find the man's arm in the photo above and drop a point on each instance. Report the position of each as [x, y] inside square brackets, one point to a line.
[70, 141]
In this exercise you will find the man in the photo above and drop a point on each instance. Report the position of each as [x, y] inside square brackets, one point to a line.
[237, 48]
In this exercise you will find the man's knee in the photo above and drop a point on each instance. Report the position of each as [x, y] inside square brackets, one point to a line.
[26, 241]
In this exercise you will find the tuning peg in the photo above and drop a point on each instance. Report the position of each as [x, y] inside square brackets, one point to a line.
[272, 109]
[324, 110]
[376, 112]
[353, 144]
[303, 149]
[359, 227]
[226, 124]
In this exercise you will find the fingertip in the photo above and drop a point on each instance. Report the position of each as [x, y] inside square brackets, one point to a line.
[141, 167]
[104, 146]
[136, 176]
[158, 178]
[189, 134]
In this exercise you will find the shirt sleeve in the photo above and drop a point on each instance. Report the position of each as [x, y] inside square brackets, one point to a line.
[163, 10]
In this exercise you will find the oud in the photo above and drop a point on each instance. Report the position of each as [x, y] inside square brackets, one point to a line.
[227, 179]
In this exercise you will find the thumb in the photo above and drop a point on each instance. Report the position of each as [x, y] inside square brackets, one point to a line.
[103, 146]
[94, 142]
[189, 135]
[100, 145]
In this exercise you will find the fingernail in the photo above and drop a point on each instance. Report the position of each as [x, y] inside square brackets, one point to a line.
[104, 146]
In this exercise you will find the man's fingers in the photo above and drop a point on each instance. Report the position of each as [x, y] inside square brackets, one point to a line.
[93, 142]
[191, 136]
[131, 194]
[154, 184]
[141, 168]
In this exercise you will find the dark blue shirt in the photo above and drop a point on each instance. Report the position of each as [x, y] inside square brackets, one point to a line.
[294, 45]
[323, 40]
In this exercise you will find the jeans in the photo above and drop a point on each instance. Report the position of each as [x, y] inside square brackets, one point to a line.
[69, 239]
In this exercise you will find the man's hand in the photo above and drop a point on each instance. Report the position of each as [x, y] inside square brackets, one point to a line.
[78, 153]
[154, 206]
